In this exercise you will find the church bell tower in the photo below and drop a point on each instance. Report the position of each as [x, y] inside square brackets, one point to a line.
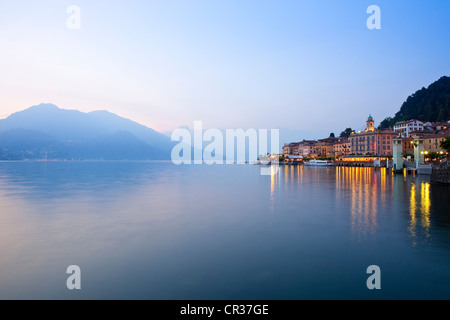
[370, 124]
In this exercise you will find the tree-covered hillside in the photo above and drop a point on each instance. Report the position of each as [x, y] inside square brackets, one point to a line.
[427, 104]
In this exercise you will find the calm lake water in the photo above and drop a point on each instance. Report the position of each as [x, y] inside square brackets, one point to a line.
[153, 230]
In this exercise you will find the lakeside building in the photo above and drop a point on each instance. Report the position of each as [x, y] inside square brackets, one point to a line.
[432, 143]
[328, 147]
[436, 126]
[404, 128]
[291, 149]
[325, 147]
[421, 135]
[303, 149]
[342, 147]
[372, 141]
[408, 146]
[308, 147]
[432, 140]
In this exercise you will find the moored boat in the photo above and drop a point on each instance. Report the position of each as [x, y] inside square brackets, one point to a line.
[265, 160]
[321, 163]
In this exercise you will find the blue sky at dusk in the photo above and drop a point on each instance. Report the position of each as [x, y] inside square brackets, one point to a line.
[310, 67]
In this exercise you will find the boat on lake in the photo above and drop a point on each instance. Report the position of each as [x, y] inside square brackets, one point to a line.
[320, 163]
[265, 160]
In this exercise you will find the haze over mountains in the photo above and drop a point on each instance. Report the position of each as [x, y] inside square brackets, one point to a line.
[47, 132]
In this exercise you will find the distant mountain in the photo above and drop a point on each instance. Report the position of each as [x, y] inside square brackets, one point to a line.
[17, 144]
[48, 132]
[427, 104]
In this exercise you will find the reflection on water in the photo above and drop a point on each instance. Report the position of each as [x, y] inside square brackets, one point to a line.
[425, 205]
[369, 191]
[422, 209]
[412, 210]
[150, 230]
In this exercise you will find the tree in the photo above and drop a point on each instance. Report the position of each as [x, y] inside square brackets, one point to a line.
[433, 155]
[332, 135]
[427, 104]
[386, 123]
[445, 144]
[346, 133]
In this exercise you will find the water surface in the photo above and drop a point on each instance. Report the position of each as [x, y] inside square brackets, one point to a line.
[153, 230]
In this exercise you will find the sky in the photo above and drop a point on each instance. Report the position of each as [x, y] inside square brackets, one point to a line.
[306, 67]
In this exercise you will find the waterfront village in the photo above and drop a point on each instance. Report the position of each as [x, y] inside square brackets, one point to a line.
[411, 145]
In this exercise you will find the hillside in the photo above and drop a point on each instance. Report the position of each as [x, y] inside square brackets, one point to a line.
[427, 104]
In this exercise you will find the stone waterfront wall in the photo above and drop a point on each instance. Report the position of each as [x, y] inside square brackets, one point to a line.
[440, 175]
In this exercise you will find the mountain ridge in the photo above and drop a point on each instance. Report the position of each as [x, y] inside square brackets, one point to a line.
[77, 135]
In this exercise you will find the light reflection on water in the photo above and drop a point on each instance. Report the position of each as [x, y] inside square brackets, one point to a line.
[422, 209]
[152, 230]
